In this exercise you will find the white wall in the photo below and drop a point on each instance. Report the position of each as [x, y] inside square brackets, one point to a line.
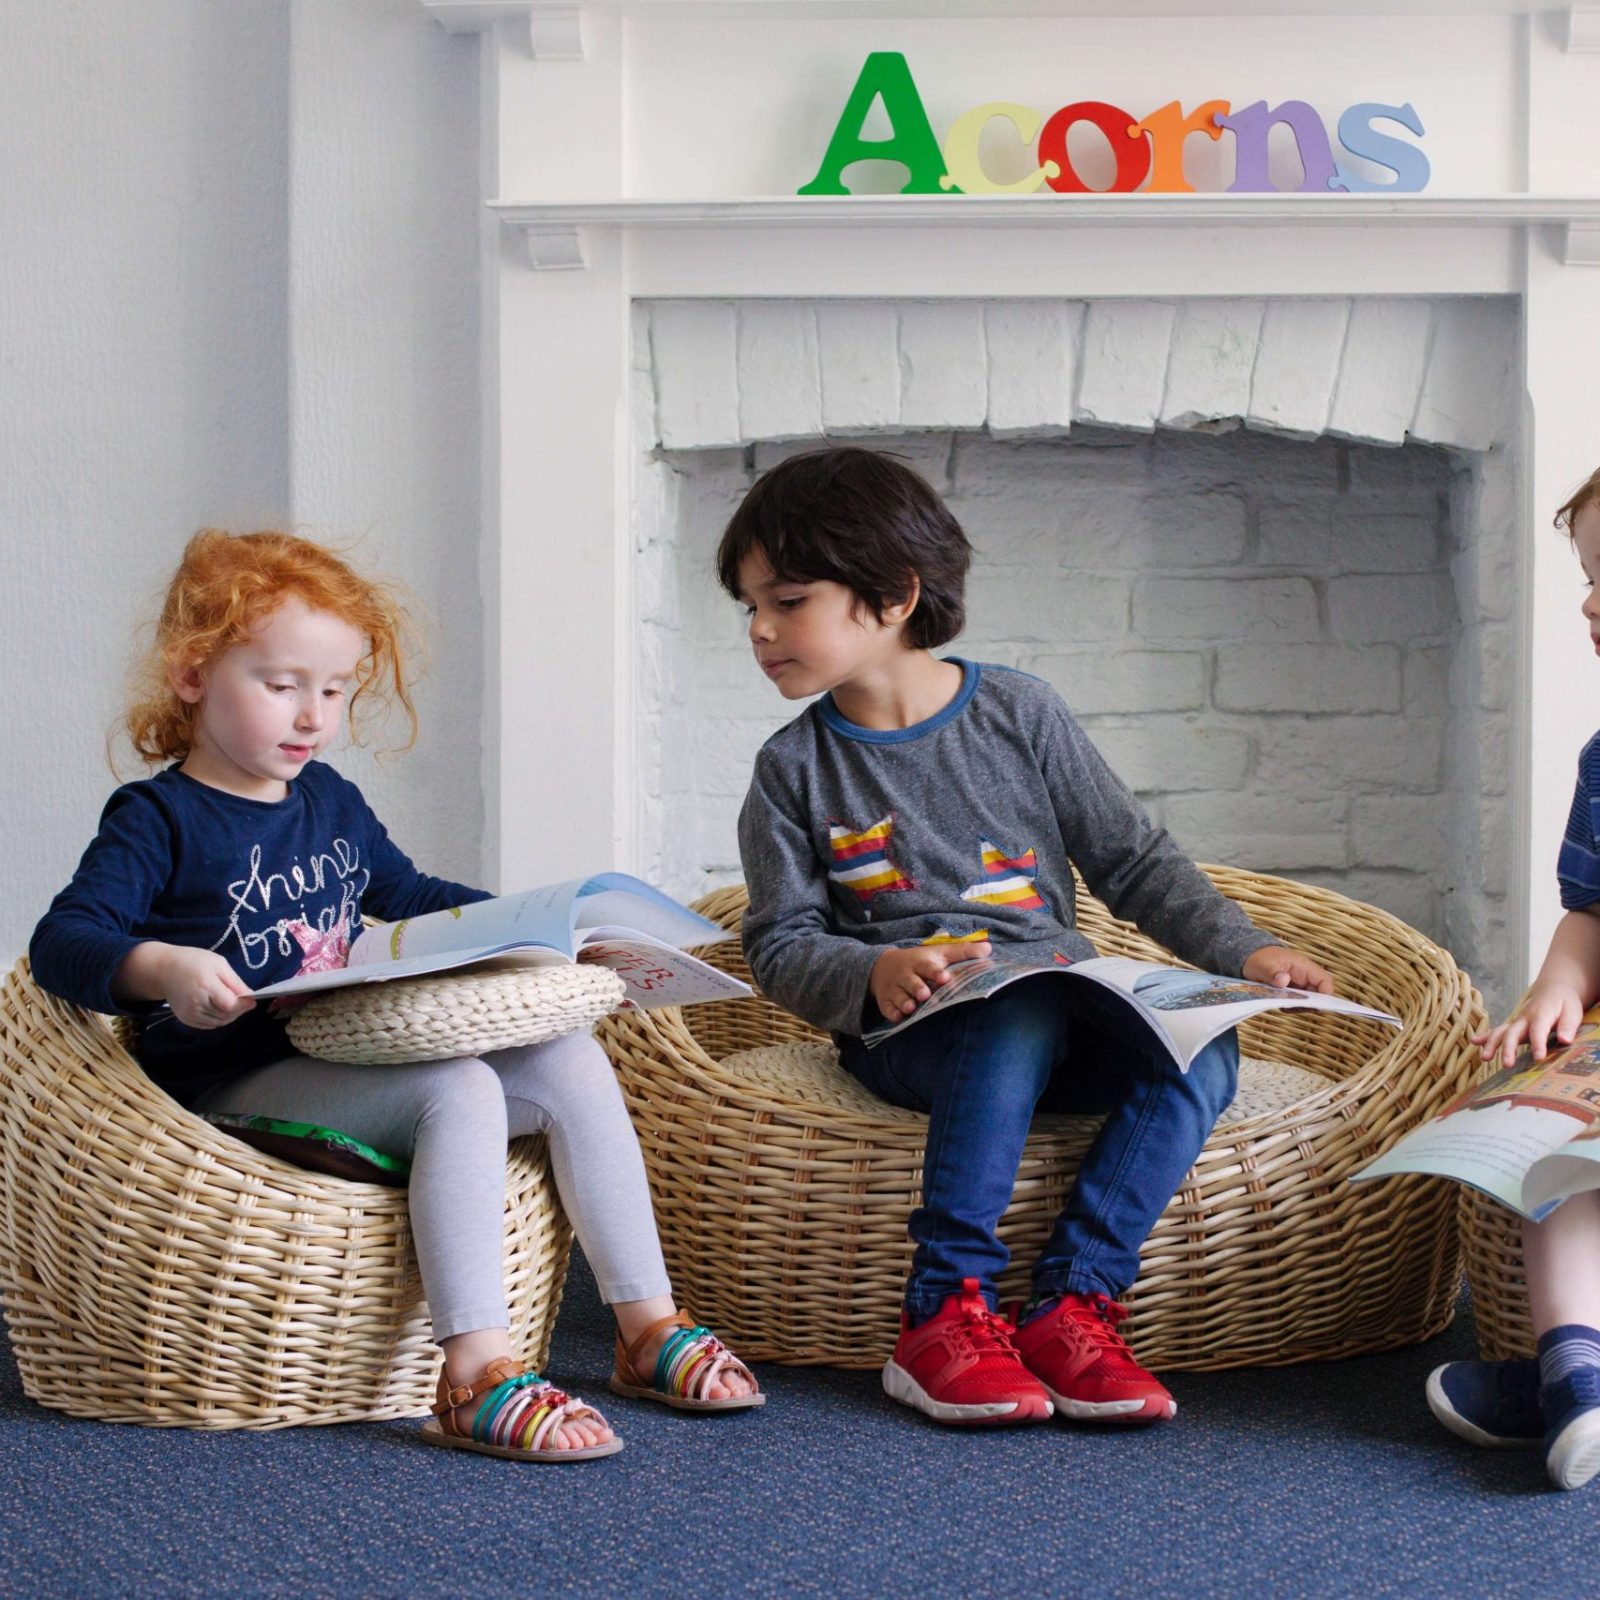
[240, 244]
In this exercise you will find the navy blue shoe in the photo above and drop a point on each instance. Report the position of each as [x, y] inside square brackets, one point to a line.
[1571, 1407]
[1490, 1403]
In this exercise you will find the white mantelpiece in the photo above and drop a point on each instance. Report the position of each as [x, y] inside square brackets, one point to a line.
[663, 159]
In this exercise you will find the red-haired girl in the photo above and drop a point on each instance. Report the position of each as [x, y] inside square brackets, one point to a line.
[247, 860]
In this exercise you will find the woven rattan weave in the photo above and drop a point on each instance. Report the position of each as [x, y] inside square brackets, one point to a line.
[783, 1203]
[1491, 1241]
[453, 1014]
[154, 1269]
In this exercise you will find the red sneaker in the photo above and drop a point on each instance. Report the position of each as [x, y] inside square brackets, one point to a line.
[960, 1366]
[1086, 1368]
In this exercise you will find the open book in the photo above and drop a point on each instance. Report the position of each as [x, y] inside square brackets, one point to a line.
[1527, 1136]
[611, 919]
[1182, 1010]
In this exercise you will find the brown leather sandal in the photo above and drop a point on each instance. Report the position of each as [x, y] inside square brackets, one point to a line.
[515, 1419]
[689, 1362]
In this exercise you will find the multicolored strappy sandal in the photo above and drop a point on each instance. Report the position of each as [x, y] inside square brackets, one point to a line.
[689, 1362]
[515, 1419]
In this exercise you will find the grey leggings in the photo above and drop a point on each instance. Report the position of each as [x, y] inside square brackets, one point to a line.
[453, 1119]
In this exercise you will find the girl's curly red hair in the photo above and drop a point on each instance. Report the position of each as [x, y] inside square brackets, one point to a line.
[225, 585]
[1587, 495]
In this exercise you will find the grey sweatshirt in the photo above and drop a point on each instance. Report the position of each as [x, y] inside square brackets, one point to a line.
[854, 839]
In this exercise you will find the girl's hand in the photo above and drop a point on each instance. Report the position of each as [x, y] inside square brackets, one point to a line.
[1546, 1006]
[199, 985]
[902, 979]
[1284, 968]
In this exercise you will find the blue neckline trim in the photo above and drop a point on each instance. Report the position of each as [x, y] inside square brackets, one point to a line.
[841, 724]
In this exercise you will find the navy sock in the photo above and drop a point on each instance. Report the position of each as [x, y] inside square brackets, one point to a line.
[1562, 1350]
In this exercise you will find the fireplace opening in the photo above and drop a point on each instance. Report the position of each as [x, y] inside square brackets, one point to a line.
[1297, 652]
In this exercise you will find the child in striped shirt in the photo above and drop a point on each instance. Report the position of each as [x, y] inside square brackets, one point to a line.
[1554, 1399]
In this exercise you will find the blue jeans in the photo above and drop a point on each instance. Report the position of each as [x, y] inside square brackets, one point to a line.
[980, 1070]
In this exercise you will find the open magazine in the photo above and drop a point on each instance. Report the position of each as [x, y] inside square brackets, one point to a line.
[1182, 1009]
[1527, 1136]
[611, 919]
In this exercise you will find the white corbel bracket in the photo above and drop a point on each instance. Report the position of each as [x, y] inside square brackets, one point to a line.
[1580, 244]
[555, 32]
[1582, 28]
[556, 249]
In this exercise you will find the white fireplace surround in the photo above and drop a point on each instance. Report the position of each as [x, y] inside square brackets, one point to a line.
[653, 155]
[1300, 657]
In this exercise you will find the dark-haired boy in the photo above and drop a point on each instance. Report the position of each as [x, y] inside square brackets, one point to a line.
[920, 809]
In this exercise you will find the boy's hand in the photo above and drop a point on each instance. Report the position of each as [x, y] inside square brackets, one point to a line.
[1545, 1007]
[199, 985]
[902, 979]
[1284, 968]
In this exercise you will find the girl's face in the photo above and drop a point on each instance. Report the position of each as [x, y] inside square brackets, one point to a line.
[812, 637]
[1586, 541]
[269, 705]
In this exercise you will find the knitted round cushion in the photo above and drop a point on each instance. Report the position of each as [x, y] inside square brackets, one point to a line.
[446, 1014]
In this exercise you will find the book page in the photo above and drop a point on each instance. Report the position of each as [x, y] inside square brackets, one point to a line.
[657, 974]
[617, 899]
[534, 917]
[1491, 1136]
[1193, 1008]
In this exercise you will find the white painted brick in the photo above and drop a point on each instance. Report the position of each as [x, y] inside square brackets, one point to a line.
[1380, 370]
[697, 388]
[1296, 364]
[1170, 755]
[1074, 527]
[780, 375]
[1318, 755]
[1034, 473]
[1053, 606]
[944, 372]
[1307, 677]
[1411, 896]
[1263, 464]
[1394, 609]
[1492, 732]
[1162, 531]
[1494, 837]
[1363, 538]
[1230, 608]
[1258, 831]
[1399, 830]
[1099, 681]
[1033, 363]
[1390, 477]
[1467, 389]
[1425, 677]
[1213, 354]
[724, 752]
[1122, 366]
[1497, 647]
[858, 347]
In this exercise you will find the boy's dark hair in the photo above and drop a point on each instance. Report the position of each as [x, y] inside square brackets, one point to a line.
[858, 518]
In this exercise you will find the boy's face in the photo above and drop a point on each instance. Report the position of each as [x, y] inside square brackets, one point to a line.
[1586, 541]
[812, 637]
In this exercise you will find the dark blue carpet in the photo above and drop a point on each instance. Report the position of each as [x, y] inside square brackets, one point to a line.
[1323, 1480]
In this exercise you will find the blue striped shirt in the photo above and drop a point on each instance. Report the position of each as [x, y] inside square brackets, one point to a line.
[1578, 867]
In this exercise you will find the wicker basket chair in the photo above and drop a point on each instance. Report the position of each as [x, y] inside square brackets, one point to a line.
[1491, 1241]
[153, 1269]
[783, 1194]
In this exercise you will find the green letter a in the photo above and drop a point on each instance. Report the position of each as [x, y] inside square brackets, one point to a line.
[911, 142]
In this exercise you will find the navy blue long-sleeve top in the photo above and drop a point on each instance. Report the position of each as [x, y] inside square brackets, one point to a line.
[277, 887]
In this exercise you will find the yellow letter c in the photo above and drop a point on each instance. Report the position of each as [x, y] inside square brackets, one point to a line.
[961, 150]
